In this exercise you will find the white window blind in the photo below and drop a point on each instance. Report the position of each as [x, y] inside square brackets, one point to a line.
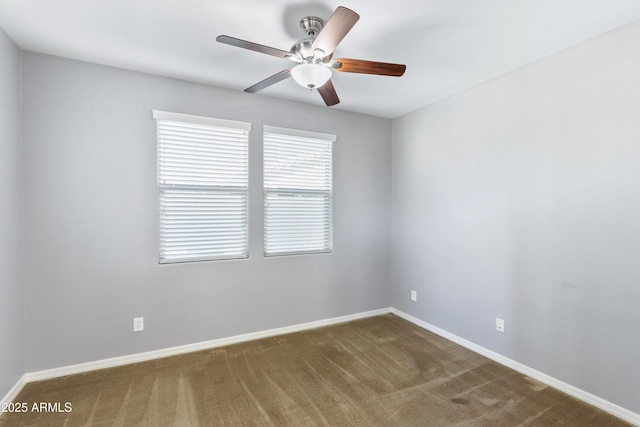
[203, 188]
[297, 191]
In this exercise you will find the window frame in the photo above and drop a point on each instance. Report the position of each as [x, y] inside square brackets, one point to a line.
[197, 192]
[297, 137]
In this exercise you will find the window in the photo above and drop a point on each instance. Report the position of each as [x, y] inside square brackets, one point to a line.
[203, 188]
[297, 191]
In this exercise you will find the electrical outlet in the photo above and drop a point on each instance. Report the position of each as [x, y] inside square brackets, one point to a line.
[138, 324]
[414, 296]
[499, 325]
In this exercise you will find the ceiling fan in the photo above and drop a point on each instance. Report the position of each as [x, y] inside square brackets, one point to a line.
[313, 56]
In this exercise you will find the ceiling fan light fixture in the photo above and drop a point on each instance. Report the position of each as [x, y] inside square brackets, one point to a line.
[314, 54]
[311, 76]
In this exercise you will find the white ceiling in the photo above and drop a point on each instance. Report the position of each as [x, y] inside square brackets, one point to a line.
[447, 45]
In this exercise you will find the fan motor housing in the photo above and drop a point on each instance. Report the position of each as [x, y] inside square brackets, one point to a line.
[303, 48]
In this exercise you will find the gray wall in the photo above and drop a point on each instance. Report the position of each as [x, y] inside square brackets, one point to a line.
[11, 290]
[520, 199]
[90, 202]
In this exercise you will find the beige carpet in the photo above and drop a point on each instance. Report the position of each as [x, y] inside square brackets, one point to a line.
[380, 371]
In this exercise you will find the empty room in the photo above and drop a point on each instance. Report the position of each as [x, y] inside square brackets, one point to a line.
[418, 213]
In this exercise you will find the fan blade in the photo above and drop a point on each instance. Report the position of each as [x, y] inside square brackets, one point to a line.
[328, 94]
[253, 46]
[269, 81]
[338, 25]
[369, 67]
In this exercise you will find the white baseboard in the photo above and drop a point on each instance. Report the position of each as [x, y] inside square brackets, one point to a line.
[205, 345]
[8, 398]
[589, 398]
[609, 407]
